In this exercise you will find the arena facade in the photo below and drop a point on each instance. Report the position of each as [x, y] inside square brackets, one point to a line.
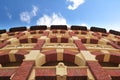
[59, 53]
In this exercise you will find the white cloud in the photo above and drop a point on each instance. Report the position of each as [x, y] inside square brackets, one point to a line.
[27, 16]
[51, 20]
[6, 8]
[83, 24]
[113, 27]
[7, 12]
[34, 11]
[9, 15]
[75, 4]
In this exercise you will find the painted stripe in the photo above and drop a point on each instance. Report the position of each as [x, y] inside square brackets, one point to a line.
[12, 55]
[59, 54]
[58, 39]
[106, 57]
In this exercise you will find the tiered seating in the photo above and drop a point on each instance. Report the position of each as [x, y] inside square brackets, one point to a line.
[105, 34]
[45, 33]
[47, 46]
[112, 57]
[2, 40]
[41, 31]
[94, 41]
[55, 39]
[59, 32]
[115, 40]
[96, 34]
[69, 56]
[61, 27]
[4, 57]
[98, 72]
[23, 40]
[96, 53]
[83, 32]
[83, 40]
[45, 74]
[37, 32]
[96, 29]
[77, 32]
[71, 34]
[24, 71]
[28, 40]
[11, 33]
[76, 74]
[7, 73]
[15, 29]
[19, 55]
[62, 31]
[89, 40]
[33, 32]
[118, 43]
[113, 45]
[3, 31]
[51, 55]
[12, 56]
[117, 37]
[114, 32]
[4, 36]
[99, 35]
[115, 57]
[54, 31]
[74, 27]
[64, 40]
[34, 40]
[114, 73]
[100, 56]
[4, 44]
[38, 27]
[19, 34]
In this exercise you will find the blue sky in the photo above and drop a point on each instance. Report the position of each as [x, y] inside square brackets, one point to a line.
[100, 13]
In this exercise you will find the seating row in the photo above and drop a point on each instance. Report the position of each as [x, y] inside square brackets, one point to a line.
[114, 73]
[59, 39]
[62, 27]
[108, 57]
[67, 56]
[50, 74]
[12, 56]
[6, 73]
